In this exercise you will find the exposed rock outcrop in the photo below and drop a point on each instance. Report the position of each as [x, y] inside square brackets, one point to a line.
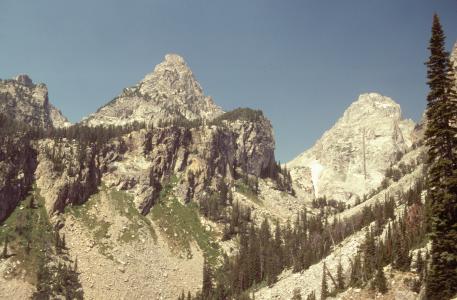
[169, 92]
[350, 159]
[27, 102]
[67, 173]
[141, 161]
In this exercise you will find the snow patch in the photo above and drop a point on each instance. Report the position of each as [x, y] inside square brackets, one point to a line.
[316, 170]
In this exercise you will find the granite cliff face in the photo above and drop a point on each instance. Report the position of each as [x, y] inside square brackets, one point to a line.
[351, 158]
[141, 161]
[27, 102]
[169, 92]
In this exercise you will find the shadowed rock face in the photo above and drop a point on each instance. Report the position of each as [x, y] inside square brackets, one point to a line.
[27, 102]
[17, 167]
[350, 159]
[168, 93]
[24, 79]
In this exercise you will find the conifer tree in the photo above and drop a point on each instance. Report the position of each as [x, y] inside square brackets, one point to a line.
[75, 268]
[440, 138]
[207, 287]
[356, 276]
[31, 203]
[63, 242]
[324, 286]
[369, 256]
[419, 265]
[297, 294]
[5, 248]
[339, 276]
[380, 280]
[401, 259]
[278, 250]
[311, 296]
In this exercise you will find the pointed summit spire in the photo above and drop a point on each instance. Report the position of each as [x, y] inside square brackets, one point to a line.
[172, 75]
[174, 58]
[168, 93]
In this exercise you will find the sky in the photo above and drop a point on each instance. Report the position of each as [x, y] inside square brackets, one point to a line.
[302, 62]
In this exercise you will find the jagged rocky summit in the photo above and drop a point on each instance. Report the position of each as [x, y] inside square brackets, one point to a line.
[225, 146]
[169, 92]
[108, 190]
[351, 158]
[24, 101]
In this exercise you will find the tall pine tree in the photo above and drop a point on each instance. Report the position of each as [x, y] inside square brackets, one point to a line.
[440, 138]
[324, 286]
[207, 288]
[339, 276]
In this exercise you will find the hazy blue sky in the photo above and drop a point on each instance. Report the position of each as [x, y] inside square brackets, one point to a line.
[301, 62]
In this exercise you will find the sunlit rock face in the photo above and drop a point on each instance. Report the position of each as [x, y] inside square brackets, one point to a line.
[22, 100]
[169, 92]
[350, 159]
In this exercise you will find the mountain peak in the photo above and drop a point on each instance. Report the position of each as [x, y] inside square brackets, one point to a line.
[24, 79]
[174, 58]
[172, 75]
[375, 97]
[350, 159]
[169, 92]
[27, 102]
[172, 62]
[372, 105]
[377, 100]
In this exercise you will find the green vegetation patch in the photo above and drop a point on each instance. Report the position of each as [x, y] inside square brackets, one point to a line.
[181, 224]
[98, 228]
[123, 203]
[120, 201]
[248, 192]
[29, 234]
